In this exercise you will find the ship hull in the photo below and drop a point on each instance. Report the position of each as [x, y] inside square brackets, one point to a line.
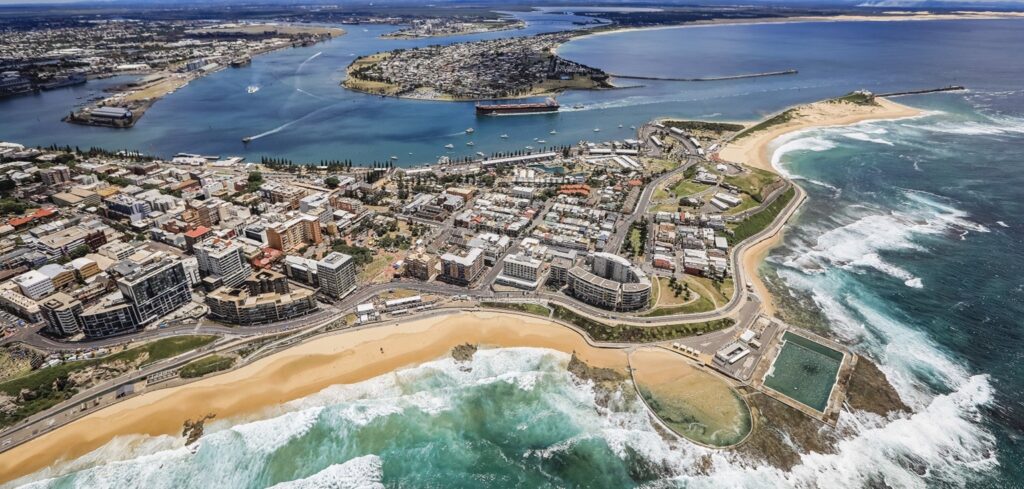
[515, 110]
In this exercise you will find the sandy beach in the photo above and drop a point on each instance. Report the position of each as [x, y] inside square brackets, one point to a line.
[756, 150]
[343, 358]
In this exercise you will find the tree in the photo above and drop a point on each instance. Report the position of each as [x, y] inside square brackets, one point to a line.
[331, 182]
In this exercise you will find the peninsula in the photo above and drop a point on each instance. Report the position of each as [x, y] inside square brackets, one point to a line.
[501, 68]
[688, 293]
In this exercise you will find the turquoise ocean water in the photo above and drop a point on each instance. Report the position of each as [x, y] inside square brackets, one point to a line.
[910, 248]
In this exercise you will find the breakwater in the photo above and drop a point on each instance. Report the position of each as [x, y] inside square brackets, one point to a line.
[714, 78]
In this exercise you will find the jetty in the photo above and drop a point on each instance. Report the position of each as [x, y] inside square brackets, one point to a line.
[714, 78]
[951, 88]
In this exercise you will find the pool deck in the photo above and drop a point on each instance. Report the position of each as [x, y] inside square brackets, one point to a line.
[837, 397]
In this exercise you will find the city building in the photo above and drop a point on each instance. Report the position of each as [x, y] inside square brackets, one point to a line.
[61, 312]
[294, 233]
[110, 317]
[421, 264]
[221, 262]
[154, 290]
[520, 271]
[34, 284]
[121, 206]
[264, 297]
[462, 269]
[337, 274]
[301, 269]
[612, 283]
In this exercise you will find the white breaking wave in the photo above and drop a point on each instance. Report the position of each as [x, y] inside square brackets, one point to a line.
[860, 136]
[366, 472]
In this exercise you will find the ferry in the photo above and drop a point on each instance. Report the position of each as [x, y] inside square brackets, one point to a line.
[549, 105]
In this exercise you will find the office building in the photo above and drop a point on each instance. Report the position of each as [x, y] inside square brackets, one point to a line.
[462, 269]
[337, 274]
[61, 312]
[221, 262]
[154, 290]
[34, 284]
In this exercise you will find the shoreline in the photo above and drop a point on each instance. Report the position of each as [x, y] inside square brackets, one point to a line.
[350, 356]
[343, 358]
[907, 17]
[757, 149]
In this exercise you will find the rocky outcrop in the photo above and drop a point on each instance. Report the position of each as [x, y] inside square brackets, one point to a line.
[193, 430]
[464, 353]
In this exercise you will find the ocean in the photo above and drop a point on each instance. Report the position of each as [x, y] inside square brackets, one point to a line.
[907, 250]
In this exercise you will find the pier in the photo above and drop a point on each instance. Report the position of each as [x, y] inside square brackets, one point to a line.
[714, 78]
[951, 88]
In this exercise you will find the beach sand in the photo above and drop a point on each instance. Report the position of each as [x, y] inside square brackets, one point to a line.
[300, 371]
[756, 150]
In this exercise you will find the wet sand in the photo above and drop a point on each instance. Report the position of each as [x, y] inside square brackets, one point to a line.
[297, 372]
[694, 403]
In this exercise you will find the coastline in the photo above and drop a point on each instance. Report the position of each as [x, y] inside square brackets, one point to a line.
[896, 17]
[342, 358]
[755, 150]
[354, 356]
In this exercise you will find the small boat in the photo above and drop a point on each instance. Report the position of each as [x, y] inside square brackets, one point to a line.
[470, 131]
[541, 141]
[481, 154]
[394, 157]
[577, 106]
[597, 129]
[535, 139]
[449, 146]
[504, 136]
[632, 127]
[529, 147]
[247, 139]
[620, 126]
[469, 143]
[252, 89]
[553, 132]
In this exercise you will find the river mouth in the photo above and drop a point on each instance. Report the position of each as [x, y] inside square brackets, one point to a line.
[691, 402]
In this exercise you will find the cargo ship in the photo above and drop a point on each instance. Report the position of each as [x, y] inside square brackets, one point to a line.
[549, 105]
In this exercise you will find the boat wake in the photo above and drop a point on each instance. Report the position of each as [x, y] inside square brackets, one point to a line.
[290, 123]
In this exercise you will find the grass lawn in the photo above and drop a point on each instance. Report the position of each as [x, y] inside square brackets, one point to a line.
[686, 188]
[702, 304]
[753, 182]
[660, 164]
[637, 334]
[206, 365]
[758, 222]
[51, 386]
[373, 270]
[524, 307]
[634, 242]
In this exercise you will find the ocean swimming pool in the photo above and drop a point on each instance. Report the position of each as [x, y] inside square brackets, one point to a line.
[805, 371]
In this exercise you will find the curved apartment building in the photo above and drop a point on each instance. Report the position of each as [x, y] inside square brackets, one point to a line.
[611, 283]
